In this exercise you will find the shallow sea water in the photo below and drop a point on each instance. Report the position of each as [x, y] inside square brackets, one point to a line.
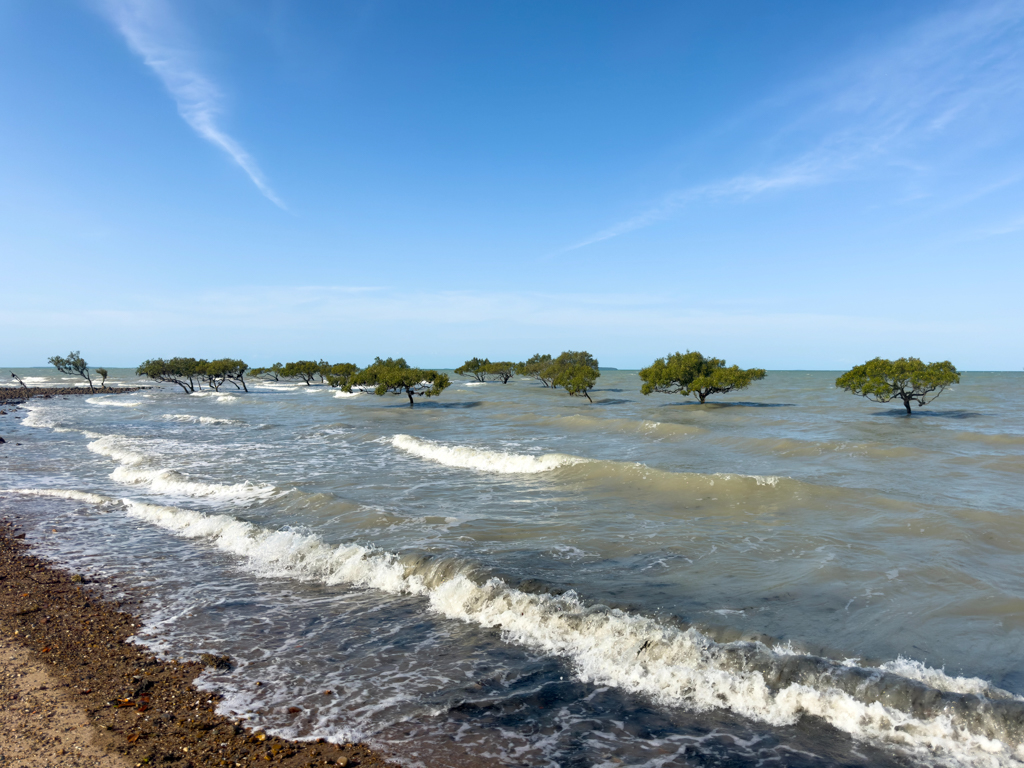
[790, 575]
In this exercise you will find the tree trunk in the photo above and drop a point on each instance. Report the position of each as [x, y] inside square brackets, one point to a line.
[409, 393]
[906, 404]
[242, 379]
[701, 395]
[587, 395]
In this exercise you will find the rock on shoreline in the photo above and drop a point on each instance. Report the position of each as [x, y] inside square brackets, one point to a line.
[20, 394]
[145, 710]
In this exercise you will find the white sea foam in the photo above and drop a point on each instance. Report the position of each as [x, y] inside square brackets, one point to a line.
[606, 646]
[277, 385]
[187, 418]
[117, 448]
[172, 483]
[88, 498]
[482, 460]
[343, 394]
[114, 401]
[38, 418]
[935, 678]
[168, 481]
[218, 397]
[771, 481]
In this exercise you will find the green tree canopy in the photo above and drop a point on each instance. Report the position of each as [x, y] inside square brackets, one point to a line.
[537, 367]
[695, 374]
[236, 372]
[475, 369]
[338, 374]
[576, 372]
[73, 365]
[183, 371]
[103, 373]
[908, 379]
[217, 372]
[501, 371]
[396, 377]
[306, 370]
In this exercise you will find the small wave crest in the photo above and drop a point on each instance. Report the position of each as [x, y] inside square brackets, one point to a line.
[186, 418]
[499, 462]
[218, 397]
[57, 493]
[37, 417]
[117, 448]
[173, 483]
[168, 481]
[113, 401]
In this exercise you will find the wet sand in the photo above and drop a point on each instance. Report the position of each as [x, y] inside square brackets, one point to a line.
[74, 693]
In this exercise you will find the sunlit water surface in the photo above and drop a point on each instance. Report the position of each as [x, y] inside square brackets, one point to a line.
[789, 576]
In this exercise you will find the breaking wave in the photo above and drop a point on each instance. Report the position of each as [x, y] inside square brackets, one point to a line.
[168, 481]
[624, 475]
[938, 719]
[113, 401]
[485, 461]
[88, 498]
[186, 418]
[173, 483]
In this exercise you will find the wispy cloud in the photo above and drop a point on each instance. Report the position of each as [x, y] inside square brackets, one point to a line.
[956, 69]
[152, 31]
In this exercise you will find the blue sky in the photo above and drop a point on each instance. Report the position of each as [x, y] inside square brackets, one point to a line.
[785, 185]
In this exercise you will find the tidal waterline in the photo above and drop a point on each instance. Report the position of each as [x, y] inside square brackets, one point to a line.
[510, 573]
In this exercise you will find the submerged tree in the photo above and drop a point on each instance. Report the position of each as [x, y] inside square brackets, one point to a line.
[483, 370]
[396, 377]
[502, 371]
[182, 371]
[695, 374]
[339, 374]
[103, 373]
[576, 372]
[236, 373]
[273, 373]
[16, 376]
[217, 372]
[475, 368]
[73, 365]
[537, 367]
[306, 370]
[908, 379]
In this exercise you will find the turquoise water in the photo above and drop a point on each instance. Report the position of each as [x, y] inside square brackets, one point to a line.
[790, 574]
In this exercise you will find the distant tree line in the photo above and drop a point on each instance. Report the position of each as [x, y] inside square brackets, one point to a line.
[394, 376]
[907, 379]
[576, 372]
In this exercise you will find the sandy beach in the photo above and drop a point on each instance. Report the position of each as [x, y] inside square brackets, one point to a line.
[74, 692]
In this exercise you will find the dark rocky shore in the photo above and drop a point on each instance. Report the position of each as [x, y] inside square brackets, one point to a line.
[20, 394]
[144, 708]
